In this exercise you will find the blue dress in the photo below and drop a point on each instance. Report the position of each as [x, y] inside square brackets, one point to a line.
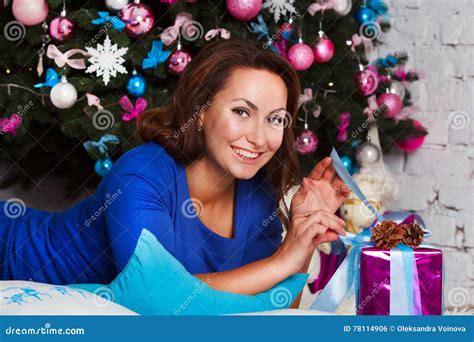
[146, 188]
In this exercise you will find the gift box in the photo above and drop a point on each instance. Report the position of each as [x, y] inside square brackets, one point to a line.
[376, 282]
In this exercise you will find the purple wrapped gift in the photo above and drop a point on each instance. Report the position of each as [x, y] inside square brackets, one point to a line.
[374, 286]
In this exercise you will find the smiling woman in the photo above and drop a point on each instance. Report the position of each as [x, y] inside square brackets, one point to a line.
[208, 182]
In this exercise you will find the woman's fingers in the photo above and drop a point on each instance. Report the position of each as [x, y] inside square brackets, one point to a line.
[339, 184]
[319, 169]
[329, 174]
[329, 236]
[326, 219]
[313, 231]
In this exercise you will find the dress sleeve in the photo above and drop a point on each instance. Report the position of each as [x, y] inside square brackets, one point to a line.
[140, 201]
[268, 240]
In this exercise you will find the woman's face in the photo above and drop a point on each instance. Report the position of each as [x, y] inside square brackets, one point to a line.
[244, 124]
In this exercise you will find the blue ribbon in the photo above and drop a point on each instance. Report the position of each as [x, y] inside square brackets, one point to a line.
[52, 78]
[117, 24]
[260, 28]
[386, 62]
[156, 55]
[379, 7]
[346, 279]
[101, 144]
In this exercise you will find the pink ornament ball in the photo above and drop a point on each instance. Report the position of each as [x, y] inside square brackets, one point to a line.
[61, 28]
[412, 143]
[178, 61]
[30, 12]
[244, 9]
[323, 50]
[306, 142]
[300, 56]
[367, 82]
[392, 104]
[138, 19]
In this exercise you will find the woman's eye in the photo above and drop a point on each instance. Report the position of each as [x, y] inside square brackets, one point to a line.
[276, 120]
[241, 112]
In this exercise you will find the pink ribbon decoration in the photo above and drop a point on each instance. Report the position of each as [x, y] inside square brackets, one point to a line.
[357, 40]
[405, 113]
[316, 7]
[306, 97]
[10, 125]
[281, 47]
[132, 111]
[372, 107]
[62, 59]
[343, 125]
[93, 100]
[217, 32]
[170, 34]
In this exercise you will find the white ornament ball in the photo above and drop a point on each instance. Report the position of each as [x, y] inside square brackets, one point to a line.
[116, 5]
[367, 154]
[342, 7]
[63, 94]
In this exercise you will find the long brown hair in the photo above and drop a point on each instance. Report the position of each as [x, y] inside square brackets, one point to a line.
[204, 77]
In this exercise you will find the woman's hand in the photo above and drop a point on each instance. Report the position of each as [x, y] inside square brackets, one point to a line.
[322, 189]
[304, 234]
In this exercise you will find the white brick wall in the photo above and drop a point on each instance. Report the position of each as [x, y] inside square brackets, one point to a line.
[437, 180]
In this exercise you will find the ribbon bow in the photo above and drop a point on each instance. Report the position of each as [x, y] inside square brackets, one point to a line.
[372, 107]
[316, 7]
[156, 55]
[52, 78]
[170, 34]
[280, 47]
[403, 273]
[217, 32]
[260, 28]
[357, 40]
[344, 119]
[306, 98]
[9, 125]
[132, 111]
[115, 21]
[387, 62]
[62, 59]
[101, 145]
[93, 100]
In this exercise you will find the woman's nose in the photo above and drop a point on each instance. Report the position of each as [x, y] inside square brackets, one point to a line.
[257, 136]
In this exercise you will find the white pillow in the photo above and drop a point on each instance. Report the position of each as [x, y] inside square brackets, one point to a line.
[19, 297]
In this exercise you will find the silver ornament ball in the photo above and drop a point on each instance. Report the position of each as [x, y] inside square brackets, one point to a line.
[116, 5]
[64, 94]
[367, 153]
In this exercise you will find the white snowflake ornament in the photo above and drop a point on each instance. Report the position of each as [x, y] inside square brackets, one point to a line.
[106, 60]
[280, 8]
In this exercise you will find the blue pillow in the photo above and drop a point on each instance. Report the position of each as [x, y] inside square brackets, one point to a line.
[154, 283]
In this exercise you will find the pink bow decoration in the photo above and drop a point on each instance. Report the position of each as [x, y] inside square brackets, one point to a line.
[62, 59]
[357, 40]
[405, 113]
[344, 119]
[93, 100]
[170, 34]
[305, 97]
[217, 32]
[132, 111]
[280, 46]
[372, 107]
[10, 125]
[316, 7]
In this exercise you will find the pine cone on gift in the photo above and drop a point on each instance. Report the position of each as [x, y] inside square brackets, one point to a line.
[412, 234]
[387, 234]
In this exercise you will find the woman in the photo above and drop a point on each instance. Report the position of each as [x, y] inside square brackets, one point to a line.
[207, 182]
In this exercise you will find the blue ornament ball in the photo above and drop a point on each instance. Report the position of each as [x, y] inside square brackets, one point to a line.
[103, 166]
[364, 15]
[136, 85]
[348, 164]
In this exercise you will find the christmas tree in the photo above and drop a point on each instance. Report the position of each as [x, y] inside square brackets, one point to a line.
[75, 75]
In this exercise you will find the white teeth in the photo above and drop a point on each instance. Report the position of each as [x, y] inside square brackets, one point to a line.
[245, 153]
